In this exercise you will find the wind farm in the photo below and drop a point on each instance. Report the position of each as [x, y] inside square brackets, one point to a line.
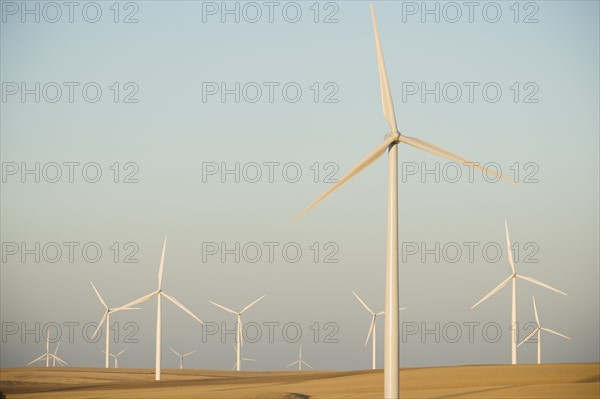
[235, 129]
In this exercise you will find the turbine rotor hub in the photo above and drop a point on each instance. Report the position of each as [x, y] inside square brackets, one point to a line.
[394, 135]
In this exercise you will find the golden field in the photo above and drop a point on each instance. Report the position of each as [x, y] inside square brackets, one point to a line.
[581, 380]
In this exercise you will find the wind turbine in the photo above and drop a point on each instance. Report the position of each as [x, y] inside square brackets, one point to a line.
[116, 357]
[181, 356]
[54, 357]
[49, 355]
[513, 277]
[372, 328]
[245, 359]
[538, 330]
[159, 293]
[390, 143]
[240, 334]
[106, 318]
[300, 361]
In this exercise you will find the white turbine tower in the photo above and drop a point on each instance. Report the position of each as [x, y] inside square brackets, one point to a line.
[240, 334]
[390, 143]
[300, 362]
[513, 277]
[116, 357]
[181, 356]
[245, 359]
[159, 293]
[106, 318]
[538, 330]
[47, 355]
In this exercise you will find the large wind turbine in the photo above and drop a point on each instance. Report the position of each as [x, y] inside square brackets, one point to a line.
[49, 355]
[390, 143]
[159, 293]
[538, 330]
[300, 361]
[181, 356]
[513, 277]
[240, 333]
[116, 357]
[106, 318]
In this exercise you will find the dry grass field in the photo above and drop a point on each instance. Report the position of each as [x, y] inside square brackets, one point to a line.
[493, 381]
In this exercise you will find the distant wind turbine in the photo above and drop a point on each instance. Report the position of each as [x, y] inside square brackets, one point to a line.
[181, 356]
[106, 318]
[390, 143]
[55, 357]
[49, 355]
[240, 331]
[513, 277]
[300, 362]
[372, 328]
[159, 293]
[538, 330]
[116, 357]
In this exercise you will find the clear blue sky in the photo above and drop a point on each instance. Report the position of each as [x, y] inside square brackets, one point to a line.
[176, 133]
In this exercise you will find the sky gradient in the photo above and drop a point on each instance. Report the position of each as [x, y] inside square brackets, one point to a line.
[177, 139]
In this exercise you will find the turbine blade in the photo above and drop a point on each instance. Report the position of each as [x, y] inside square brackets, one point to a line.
[37, 359]
[529, 336]
[399, 309]
[122, 308]
[492, 292]
[174, 351]
[100, 324]
[555, 333]
[139, 300]
[532, 280]
[252, 304]
[306, 364]
[189, 353]
[98, 295]
[386, 95]
[248, 359]
[119, 354]
[425, 146]
[224, 308]
[510, 256]
[383, 312]
[56, 350]
[162, 264]
[363, 303]
[366, 161]
[180, 305]
[537, 319]
[291, 364]
[370, 330]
